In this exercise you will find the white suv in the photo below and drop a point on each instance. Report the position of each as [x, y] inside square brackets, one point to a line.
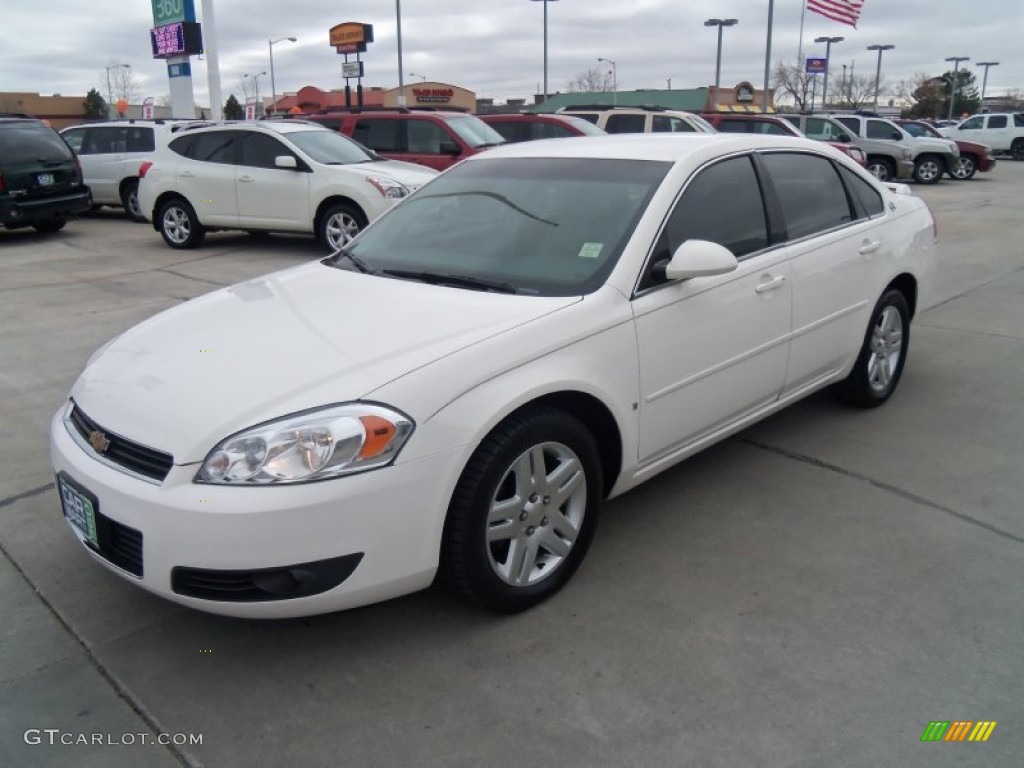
[111, 153]
[646, 119]
[287, 176]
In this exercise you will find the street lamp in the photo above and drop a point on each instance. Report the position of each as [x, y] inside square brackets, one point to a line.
[878, 69]
[273, 85]
[256, 87]
[718, 61]
[984, 82]
[110, 93]
[615, 81]
[952, 90]
[545, 44]
[416, 74]
[828, 51]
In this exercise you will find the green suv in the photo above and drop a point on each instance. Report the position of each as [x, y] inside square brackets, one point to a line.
[40, 178]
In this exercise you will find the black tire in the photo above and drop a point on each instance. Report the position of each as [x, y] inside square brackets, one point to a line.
[882, 168]
[967, 168]
[130, 200]
[928, 169]
[339, 223]
[883, 354]
[50, 225]
[179, 224]
[552, 535]
[1017, 149]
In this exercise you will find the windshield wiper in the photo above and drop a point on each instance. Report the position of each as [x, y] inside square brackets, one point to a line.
[341, 253]
[460, 281]
[494, 196]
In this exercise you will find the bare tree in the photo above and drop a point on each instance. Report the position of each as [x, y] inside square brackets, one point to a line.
[122, 82]
[591, 81]
[856, 92]
[791, 82]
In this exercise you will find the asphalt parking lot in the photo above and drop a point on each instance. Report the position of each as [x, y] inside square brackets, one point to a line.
[811, 592]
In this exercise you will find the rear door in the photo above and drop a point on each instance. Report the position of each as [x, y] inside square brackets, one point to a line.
[103, 158]
[207, 177]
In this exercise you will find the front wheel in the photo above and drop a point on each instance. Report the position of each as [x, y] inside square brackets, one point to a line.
[928, 169]
[54, 224]
[179, 225]
[880, 363]
[524, 511]
[881, 168]
[339, 224]
[1017, 149]
[966, 169]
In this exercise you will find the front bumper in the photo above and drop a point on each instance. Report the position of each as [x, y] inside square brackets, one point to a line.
[380, 531]
[24, 212]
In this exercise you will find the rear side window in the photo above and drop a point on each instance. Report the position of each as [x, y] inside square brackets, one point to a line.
[864, 192]
[722, 204]
[810, 192]
[997, 121]
[626, 123]
[669, 124]
[215, 147]
[105, 141]
[732, 126]
[512, 131]
[140, 139]
[379, 135]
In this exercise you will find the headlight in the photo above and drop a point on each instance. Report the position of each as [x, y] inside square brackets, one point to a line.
[315, 445]
[388, 187]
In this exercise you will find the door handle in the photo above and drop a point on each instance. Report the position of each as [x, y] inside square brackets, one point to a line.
[246, 178]
[869, 246]
[187, 174]
[770, 285]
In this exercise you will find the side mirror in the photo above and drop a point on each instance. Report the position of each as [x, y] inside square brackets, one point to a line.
[897, 136]
[843, 139]
[697, 258]
[450, 148]
[286, 161]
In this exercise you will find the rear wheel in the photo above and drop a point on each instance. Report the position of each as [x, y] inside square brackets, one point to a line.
[130, 200]
[882, 168]
[524, 511]
[967, 168]
[880, 363]
[339, 224]
[1017, 149]
[50, 225]
[928, 169]
[179, 224]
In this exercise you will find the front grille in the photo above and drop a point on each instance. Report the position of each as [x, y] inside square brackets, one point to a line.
[282, 583]
[119, 544]
[140, 459]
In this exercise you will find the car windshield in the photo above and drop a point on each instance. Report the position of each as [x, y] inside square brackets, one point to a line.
[329, 147]
[544, 227]
[704, 124]
[474, 131]
[31, 143]
[920, 130]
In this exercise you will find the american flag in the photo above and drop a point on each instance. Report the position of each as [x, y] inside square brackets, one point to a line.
[844, 11]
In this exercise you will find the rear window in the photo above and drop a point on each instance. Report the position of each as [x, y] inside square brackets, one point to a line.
[20, 142]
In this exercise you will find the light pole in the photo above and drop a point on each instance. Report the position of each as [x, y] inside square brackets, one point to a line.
[952, 90]
[545, 44]
[273, 85]
[256, 87]
[416, 74]
[401, 80]
[984, 82]
[718, 60]
[615, 81]
[828, 52]
[878, 69]
[110, 93]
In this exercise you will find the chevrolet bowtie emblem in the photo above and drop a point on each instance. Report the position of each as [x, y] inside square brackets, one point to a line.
[98, 441]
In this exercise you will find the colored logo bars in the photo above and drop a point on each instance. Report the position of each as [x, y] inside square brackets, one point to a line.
[958, 730]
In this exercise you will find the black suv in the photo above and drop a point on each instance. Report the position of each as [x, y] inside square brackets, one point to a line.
[40, 178]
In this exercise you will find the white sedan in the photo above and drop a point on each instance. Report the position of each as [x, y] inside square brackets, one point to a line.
[541, 328]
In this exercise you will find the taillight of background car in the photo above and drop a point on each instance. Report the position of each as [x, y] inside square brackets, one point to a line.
[144, 169]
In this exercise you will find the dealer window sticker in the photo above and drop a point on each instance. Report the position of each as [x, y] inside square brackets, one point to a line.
[591, 250]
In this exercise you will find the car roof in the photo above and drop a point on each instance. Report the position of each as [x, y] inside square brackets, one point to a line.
[670, 147]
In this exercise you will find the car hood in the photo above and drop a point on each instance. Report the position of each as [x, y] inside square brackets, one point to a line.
[409, 174]
[932, 144]
[303, 338]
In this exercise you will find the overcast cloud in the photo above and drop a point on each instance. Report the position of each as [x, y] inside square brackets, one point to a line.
[494, 47]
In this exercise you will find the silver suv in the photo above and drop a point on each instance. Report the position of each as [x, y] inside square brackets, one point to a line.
[646, 119]
[111, 153]
[887, 160]
[933, 158]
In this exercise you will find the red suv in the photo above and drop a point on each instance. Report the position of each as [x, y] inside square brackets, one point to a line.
[528, 126]
[431, 138]
[739, 122]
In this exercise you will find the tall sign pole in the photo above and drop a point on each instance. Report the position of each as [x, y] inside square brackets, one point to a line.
[212, 62]
[175, 37]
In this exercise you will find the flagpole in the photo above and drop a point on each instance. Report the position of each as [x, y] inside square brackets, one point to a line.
[800, 47]
[767, 56]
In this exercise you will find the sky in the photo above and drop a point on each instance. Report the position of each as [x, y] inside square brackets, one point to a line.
[495, 47]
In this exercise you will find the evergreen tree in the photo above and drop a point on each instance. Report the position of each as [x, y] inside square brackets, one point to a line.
[232, 109]
[94, 106]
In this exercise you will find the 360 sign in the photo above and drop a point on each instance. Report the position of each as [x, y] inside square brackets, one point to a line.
[171, 11]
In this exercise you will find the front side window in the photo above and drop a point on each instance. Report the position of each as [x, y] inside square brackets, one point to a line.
[74, 138]
[809, 191]
[549, 227]
[823, 130]
[878, 129]
[973, 123]
[380, 135]
[669, 124]
[425, 137]
[852, 123]
[260, 150]
[1018, 120]
[626, 123]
